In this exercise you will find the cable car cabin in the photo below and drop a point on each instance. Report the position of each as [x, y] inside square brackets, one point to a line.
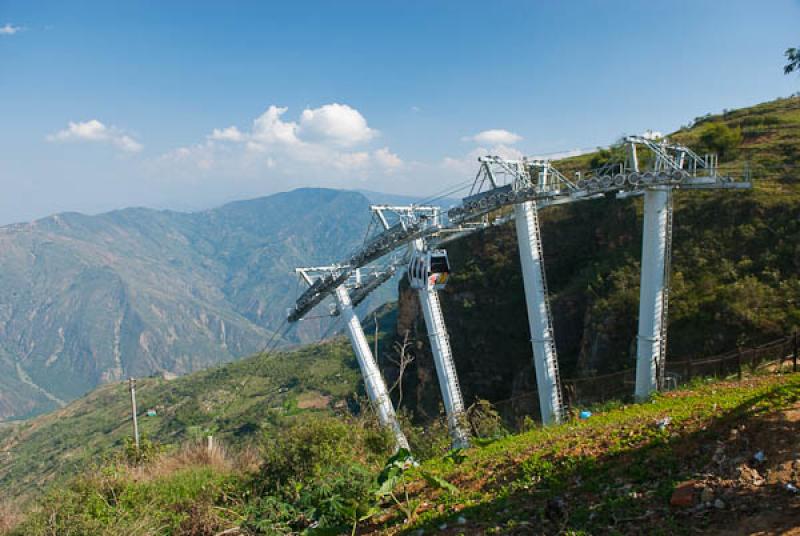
[429, 269]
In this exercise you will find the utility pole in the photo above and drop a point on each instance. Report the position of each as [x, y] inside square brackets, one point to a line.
[132, 385]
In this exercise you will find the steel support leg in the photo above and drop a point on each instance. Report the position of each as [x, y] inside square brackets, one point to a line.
[539, 318]
[373, 381]
[652, 292]
[445, 368]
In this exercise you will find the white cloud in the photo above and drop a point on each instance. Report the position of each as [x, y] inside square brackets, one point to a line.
[227, 134]
[351, 161]
[387, 159]
[9, 29]
[321, 136]
[329, 143]
[268, 128]
[95, 131]
[200, 155]
[335, 123]
[495, 136]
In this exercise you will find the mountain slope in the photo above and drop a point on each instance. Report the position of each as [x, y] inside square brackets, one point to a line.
[235, 402]
[713, 455]
[91, 299]
[735, 270]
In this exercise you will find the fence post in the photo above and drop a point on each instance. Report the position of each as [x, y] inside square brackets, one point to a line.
[794, 352]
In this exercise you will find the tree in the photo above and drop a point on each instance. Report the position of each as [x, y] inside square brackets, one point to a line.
[793, 56]
[721, 139]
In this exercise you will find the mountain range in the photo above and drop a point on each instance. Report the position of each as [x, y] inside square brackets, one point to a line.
[86, 300]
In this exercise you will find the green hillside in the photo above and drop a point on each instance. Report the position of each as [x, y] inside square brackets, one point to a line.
[736, 281]
[716, 454]
[735, 269]
[235, 402]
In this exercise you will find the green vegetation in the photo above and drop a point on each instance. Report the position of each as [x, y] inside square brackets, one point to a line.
[236, 403]
[610, 470]
[614, 472]
[792, 60]
[735, 269]
[719, 138]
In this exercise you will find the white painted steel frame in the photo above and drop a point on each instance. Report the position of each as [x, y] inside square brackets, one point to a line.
[652, 291]
[373, 380]
[545, 358]
[445, 367]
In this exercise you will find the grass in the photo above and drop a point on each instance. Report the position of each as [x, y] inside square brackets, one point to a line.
[613, 473]
[236, 403]
[603, 474]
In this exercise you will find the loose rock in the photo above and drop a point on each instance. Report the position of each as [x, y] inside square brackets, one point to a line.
[683, 496]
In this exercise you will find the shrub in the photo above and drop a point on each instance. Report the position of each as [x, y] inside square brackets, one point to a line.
[721, 139]
[317, 469]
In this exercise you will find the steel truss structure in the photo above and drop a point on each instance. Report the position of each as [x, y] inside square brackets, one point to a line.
[528, 185]
[346, 294]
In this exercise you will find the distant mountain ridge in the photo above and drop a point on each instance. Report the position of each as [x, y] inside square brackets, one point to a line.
[86, 300]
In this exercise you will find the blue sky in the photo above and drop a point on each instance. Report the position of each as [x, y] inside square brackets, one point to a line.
[190, 104]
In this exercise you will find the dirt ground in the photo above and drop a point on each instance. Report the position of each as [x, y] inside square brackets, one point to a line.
[750, 486]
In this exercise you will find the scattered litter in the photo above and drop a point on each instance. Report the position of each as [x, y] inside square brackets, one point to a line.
[461, 520]
[663, 423]
[759, 456]
[443, 526]
[791, 487]
[719, 504]
[585, 414]
[151, 413]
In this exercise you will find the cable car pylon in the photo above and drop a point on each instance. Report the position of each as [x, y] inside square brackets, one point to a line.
[672, 166]
[427, 272]
[526, 216]
[373, 380]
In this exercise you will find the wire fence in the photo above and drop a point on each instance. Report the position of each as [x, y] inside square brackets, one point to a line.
[780, 355]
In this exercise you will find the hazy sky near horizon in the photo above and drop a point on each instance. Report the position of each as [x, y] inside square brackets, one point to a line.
[189, 104]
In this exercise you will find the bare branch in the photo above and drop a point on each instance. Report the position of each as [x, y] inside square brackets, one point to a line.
[403, 360]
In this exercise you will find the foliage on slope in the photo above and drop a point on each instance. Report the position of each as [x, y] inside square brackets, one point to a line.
[735, 268]
[616, 472]
[234, 402]
[613, 473]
